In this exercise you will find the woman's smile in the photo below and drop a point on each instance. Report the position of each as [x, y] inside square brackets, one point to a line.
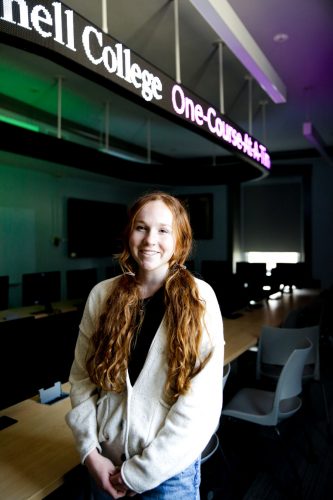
[152, 241]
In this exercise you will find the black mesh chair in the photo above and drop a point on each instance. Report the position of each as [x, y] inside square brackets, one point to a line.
[213, 443]
[17, 358]
[4, 292]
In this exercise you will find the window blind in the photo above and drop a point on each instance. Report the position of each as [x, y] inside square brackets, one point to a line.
[272, 217]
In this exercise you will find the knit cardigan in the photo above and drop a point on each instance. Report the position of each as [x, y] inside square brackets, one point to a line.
[137, 429]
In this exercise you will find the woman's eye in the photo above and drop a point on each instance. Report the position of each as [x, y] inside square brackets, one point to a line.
[140, 228]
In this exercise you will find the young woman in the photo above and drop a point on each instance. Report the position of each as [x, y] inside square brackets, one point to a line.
[146, 382]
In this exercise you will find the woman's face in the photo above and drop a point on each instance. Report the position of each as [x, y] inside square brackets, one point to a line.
[152, 240]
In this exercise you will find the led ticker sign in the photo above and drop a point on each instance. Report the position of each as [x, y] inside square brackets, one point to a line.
[118, 60]
[218, 126]
[66, 36]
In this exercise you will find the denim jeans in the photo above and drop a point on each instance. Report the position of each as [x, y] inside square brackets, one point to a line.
[183, 486]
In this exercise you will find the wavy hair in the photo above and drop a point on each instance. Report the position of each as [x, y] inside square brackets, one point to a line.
[184, 311]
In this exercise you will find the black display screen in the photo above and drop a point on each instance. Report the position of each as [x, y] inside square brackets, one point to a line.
[41, 288]
[94, 228]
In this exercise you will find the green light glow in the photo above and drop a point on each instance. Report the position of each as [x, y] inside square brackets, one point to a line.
[19, 123]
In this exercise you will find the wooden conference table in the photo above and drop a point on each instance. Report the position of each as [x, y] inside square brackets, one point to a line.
[38, 450]
[242, 333]
[38, 311]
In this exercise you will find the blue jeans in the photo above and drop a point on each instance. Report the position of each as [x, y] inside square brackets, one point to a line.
[183, 486]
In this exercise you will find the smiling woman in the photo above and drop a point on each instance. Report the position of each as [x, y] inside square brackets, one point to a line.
[150, 349]
[152, 244]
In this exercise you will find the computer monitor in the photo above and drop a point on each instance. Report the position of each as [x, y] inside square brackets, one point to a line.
[252, 276]
[41, 288]
[289, 274]
[80, 282]
[216, 270]
[251, 272]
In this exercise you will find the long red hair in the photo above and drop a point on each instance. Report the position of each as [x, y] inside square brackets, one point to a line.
[184, 310]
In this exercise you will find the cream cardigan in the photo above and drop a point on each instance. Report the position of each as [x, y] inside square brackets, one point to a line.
[151, 440]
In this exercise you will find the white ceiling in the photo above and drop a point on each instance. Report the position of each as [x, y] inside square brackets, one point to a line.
[303, 62]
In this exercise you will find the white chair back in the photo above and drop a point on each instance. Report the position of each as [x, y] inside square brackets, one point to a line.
[289, 386]
[276, 344]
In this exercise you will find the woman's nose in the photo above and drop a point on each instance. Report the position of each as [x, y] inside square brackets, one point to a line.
[150, 237]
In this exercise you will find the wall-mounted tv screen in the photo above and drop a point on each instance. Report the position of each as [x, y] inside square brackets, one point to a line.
[94, 228]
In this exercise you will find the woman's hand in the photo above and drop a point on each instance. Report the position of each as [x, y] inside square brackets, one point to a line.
[102, 470]
[118, 483]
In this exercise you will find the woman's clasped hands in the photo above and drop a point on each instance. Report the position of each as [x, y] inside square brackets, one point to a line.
[106, 475]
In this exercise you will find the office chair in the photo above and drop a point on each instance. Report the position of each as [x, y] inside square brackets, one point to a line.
[275, 346]
[214, 441]
[214, 445]
[16, 355]
[267, 409]
[4, 292]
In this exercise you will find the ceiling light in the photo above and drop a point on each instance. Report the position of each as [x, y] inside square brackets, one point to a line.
[280, 37]
[19, 123]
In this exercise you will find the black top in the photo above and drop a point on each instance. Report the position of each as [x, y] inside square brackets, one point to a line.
[153, 310]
